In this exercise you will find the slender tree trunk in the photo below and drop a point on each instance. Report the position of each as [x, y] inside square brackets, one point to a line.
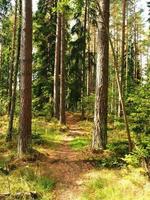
[26, 79]
[89, 72]
[122, 54]
[57, 66]
[94, 61]
[84, 62]
[12, 58]
[118, 52]
[127, 54]
[62, 72]
[89, 66]
[114, 92]
[101, 102]
[14, 93]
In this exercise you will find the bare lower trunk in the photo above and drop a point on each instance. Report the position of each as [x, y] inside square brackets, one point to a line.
[26, 79]
[100, 116]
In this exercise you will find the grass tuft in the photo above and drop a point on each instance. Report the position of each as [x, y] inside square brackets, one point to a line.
[79, 143]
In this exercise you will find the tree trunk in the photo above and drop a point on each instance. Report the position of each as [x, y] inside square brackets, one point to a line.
[127, 54]
[26, 79]
[122, 54]
[101, 102]
[12, 58]
[84, 62]
[89, 65]
[57, 66]
[89, 72]
[62, 72]
[13, 100]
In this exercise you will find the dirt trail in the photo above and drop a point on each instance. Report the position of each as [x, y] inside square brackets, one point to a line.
[66, 165]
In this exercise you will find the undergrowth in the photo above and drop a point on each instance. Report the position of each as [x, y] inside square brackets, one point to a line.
[26, 175]
[116, 185]
[26, 179]
[112, 178]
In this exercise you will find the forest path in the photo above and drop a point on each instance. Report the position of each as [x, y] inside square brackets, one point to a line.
[66, 165]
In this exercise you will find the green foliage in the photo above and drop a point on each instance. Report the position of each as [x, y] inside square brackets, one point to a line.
[120, 148]
[139, 112]
[110, 162]
[119, 124]
[75, 63]
[3, 106]
[4, 6]
[44, 42]
[46, 112]
[132, 159]
[88, 103]
[5, 39]
[75, 59]
[114, 155]
[140, 154]
[79, 143]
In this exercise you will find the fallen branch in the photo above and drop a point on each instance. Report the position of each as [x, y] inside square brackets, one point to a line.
[32, 194]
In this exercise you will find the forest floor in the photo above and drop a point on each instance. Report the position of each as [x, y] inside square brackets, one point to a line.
[69, 165]
[62, 166]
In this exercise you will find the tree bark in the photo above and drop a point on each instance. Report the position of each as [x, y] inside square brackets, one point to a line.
[57, 66]
[26, 79]
[89, 64]
[62, 72]
[101, 102]
[127, 54]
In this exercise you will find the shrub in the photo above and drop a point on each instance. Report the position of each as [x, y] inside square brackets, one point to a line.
[141, 154]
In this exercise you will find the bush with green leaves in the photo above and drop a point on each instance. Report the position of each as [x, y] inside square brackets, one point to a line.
[139, 109]
[139, 105]
[141, 154]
